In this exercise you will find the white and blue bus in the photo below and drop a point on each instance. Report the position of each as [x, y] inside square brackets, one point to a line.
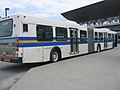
[25, 39]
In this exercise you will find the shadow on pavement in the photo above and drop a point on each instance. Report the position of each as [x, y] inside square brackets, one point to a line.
[18, 68]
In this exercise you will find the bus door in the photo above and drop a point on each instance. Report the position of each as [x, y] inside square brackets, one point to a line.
[73, 40]
[105, 40]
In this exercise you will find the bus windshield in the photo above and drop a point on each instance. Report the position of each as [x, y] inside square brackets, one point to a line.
[6, 27]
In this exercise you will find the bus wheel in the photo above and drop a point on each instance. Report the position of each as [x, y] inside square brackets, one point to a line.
[98, 48]
[54, 56]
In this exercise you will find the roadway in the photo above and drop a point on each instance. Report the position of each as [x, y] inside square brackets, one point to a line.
[98, 71]
[10, 73]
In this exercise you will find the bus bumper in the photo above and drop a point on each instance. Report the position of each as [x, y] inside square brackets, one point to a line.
[11, 59]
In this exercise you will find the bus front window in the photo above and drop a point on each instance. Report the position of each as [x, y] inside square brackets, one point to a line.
[6, 27]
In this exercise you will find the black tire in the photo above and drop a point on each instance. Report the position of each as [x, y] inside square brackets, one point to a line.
[55, 56]
[98, 48]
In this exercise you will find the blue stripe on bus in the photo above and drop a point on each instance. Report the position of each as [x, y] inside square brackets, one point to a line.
[47, 44]
[43, 44]
[36, 44]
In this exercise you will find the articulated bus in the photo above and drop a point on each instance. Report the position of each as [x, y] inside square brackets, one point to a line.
[25, 39]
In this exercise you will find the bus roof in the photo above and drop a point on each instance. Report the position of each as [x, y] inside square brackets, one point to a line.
[41, 21]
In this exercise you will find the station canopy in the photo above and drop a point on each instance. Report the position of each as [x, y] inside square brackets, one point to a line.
[99, 10]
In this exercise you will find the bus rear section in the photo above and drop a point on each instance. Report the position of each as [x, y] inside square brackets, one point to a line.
[8, 50]
[9, 30]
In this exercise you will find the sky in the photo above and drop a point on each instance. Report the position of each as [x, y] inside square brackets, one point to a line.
[50, 9]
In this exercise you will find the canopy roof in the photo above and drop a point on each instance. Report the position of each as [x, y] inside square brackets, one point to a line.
[99, 10]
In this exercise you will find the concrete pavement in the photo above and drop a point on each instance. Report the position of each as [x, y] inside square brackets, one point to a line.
[10, 73]
[98, 71]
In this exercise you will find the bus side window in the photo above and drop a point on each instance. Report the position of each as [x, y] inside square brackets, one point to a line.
[44, 33]
[101, 36]
[83, 36]
[113, 37]
[25, 27]
[61, 34]
[96, 36]
[109, 37]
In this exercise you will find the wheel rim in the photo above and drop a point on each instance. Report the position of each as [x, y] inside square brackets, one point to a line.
[54, 56]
